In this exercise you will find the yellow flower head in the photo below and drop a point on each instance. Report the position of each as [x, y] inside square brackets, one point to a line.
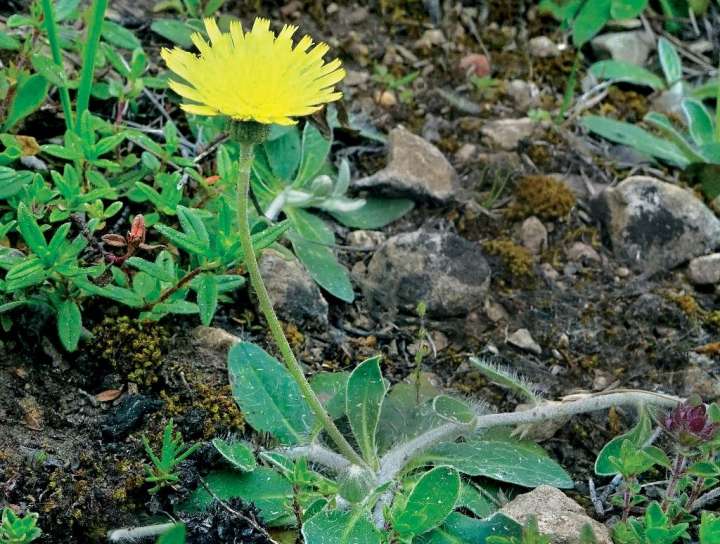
[254, 76]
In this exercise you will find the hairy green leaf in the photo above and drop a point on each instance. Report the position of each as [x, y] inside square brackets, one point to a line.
[512, 461]
[363, 402]
[430, 502]
[267, 394]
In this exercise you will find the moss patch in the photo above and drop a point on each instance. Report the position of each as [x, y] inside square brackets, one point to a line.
[515, 258]
[133, 349]
[542, 196]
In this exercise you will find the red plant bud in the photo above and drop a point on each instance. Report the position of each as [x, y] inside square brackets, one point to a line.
[136, 236]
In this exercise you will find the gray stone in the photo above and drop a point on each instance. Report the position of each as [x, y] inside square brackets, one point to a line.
[653, 225]
[704, 270]
[523, 93]
[543, 47]
[533, 235]
[416, 168]
[580, 251]
[558, 516]
[522, 339]
[698, 381]
[506, 134]
[447, 272]
[294, 294]
[365, 239]
[634, 46]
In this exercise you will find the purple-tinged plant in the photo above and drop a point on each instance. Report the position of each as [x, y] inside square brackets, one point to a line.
[690, 424]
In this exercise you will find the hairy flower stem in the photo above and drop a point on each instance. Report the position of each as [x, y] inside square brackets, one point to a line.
[393, 462]
[677, 472]
[626, 499]
[243, 189]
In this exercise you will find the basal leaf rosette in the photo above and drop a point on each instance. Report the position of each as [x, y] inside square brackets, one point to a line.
[254, 76]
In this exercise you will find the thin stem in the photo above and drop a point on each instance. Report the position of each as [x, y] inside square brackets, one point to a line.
[626, 500]
[677, 471]
[187, 278]
[569, 88]
[52, 34]
[88, 67]
[717, 106]
[243, 189]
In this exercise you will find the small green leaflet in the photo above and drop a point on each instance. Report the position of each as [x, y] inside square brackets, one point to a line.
[237, 454]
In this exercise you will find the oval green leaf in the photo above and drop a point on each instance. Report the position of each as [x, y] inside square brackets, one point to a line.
[267, 394]
[430, 502]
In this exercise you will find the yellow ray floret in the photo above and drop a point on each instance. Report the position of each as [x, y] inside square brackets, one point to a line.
[254, 76]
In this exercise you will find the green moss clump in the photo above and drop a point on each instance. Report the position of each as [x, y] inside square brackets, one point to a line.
[133, 349]
[222, 414]
[542, 196]
[515, 258]
[687, 304]
[713, 319]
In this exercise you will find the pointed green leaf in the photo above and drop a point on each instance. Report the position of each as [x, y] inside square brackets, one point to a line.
[363, 401]
[311, 240]
[207, 297]
[700, 122]
[636, 137]
[315, 149]
[150, 268]
[31, 233]
[376, 213]
[31, 92]
[69, 324]
[670, 61]
[617, 70]
[590, 19]
[512, 461]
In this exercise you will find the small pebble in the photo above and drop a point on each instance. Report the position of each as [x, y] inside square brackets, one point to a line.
[522, 339]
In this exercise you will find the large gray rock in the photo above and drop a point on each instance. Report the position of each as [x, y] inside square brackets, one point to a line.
[293, 293]
[416, 168]
[653, 225]
[442, 269]
[558, 516]
[633, 46]
[705, 270]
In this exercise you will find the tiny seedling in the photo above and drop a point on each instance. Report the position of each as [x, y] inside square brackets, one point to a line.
[16, 529]
[173, 451]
